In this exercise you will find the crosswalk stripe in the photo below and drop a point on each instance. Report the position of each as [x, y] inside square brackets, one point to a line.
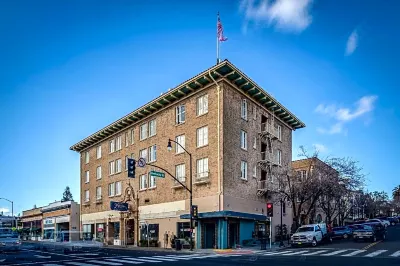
[141, 260]
[315, 253]
[396, 254]
[80, 263]
[295, 253]
[163, 259]
[208, 256]
[335, 252]
[125, 261]
[177, 257]
[376, 253]
[354, 253]
[105, 262]
[276, 253]
[50, 264]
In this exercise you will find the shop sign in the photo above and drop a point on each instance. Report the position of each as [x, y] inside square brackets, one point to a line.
[119, 206]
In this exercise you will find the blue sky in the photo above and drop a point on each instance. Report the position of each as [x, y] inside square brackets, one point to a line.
[68, 68]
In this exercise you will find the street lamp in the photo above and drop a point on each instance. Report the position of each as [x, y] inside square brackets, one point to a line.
[169, 147]
[281, 237]
[12, 209]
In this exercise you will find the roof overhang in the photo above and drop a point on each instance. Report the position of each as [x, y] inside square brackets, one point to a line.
[222, 71]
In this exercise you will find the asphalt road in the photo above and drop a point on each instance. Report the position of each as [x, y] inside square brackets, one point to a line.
[341, 252]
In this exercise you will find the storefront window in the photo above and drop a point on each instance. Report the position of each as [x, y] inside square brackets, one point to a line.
[100, 232]
[183, 230]
[152, 230]
[87, 232]
[116, 230]
[48, 234]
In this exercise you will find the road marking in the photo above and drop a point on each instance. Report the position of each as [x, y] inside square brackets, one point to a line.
[177, 257]
[208, 256]
[276, 253]
[354, 253]
[42, 257]
[163, 259]
[315, 253]
[396, 254]
[50, 264]
[105, 262]
[373, 244]
[125, 261]
[295, 253]
[142, 260]
[89, 254]
[335, 252]
[376, 253]
[80, 263]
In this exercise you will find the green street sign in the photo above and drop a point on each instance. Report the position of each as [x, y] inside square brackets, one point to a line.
[157, 174]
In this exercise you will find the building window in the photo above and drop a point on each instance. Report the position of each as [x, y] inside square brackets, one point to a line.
[279, 157]
[98, 152]
[87, 157]
[98, 172]
[132, 136]
[118, 188]
[153, 153]
[87, 196]
[180, 114]
[126, 162]
[255, 171]
[152, 181]
[243, 139]
[87, 177]
[255, 112]
[202, 136]
[302, 175]
[279, 132]
[112, 145]
[143, 182]
[111, 167]
[143, 131]
[111, 189]
[255, 143]
[143, 154]
[180, 172]
[98, 193]
[243, 169]
[132, 156]
[118, 166]
[244, 109]
[126, 139]
[119, 143]
[202, 105]
[181, 140]
[202, 168]
[152, 128]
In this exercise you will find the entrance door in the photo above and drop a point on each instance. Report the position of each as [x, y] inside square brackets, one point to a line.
[233, 235]
[130, 232]
[209, 235]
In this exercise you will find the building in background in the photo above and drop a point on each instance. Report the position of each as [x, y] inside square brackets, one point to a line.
[32, 223]
[237, 134]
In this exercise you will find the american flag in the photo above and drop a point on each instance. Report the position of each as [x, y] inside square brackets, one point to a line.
[220, 31]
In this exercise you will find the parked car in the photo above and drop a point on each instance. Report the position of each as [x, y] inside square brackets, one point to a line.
[386, 223]
[9, 242]
[311, 234]
[370, 231]
[342, 232]
[393, 220]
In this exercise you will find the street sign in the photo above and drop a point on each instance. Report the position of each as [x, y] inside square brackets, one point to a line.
[157, 174]
[119, 206]
[141, 162]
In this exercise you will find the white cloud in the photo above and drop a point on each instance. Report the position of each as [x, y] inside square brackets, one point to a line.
[286, 15]
[320, 147]
[344, 115]
[352, 43]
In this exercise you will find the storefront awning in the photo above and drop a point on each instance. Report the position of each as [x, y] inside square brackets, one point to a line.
[228, 214]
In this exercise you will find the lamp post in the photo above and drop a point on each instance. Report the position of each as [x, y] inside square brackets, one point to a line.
[190, 188]
[281, 231]
[12, 209]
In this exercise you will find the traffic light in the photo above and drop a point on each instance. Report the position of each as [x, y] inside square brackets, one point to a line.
[195, 213]
[131, 168]
[270, 209]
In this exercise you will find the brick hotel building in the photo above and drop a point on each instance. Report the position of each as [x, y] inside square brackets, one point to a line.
[237, 134]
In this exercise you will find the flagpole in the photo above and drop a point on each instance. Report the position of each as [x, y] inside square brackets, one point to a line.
[217, 40]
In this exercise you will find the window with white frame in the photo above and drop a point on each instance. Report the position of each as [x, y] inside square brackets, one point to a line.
[126, 162]
[143, 182]
[243, 139]
[111, 189]
[180, 114]
[118, 188]
[143, 131]
[143, 154]
[180, 172]
[202, 136]
[119, 143]
[98, 193]
[152, 128]
[255, 171]
[243, 170]
[202, 168]
[181, 140]
[243, 109]
[87, 157]
[132, 136]
[112, 145]
[152, 181]
[126, 139]
[87, 196]
[202, 105]
[98, 172]
[132, 156]
[87, 177]
[303, 175]
[255, 143]
[255, 112]
[111, 167]
[153, 153]
[279, 132]
[279, 157]
[98, 152]
[118, 164]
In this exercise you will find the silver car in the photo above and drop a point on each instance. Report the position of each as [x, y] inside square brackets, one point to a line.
[10, 242]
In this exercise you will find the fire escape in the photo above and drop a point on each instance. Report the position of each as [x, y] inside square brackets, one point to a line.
[268, 134]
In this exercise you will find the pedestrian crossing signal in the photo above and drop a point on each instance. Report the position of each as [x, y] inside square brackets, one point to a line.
[131, 168]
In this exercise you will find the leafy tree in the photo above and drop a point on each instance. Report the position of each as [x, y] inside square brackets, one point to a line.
[67, 195]
[396, 193]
